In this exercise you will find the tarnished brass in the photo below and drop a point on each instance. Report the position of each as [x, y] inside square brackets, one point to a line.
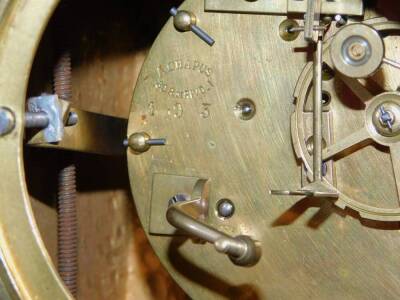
[311, 248]
[164, 188]
[348, 7]
[357, 51]
[94, 133]
[368, 130]
[110, 234]
[140, 142]
[26, 268]
[188, 215]
[190, 93]
[285, 30]
[183, 20]
[317, 187]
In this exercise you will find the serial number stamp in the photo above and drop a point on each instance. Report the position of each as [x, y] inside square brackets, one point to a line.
[181, 72]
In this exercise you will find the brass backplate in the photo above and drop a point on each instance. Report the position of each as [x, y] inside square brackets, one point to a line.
[187, 93]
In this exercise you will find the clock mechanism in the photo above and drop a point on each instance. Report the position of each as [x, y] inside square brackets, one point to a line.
[259, 141]
[280, 147]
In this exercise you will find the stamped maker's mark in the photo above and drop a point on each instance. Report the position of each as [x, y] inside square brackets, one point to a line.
[195, 67]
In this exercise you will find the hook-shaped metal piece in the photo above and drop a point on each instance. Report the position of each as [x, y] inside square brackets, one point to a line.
[186, 215]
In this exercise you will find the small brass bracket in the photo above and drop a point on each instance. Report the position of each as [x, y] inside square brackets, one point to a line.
[338, 7]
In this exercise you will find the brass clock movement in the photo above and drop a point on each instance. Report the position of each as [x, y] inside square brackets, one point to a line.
[262, 147]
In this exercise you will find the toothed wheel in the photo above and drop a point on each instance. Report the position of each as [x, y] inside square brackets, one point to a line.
[361, 122]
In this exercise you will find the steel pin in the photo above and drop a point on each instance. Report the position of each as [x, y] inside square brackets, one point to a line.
[156, 142]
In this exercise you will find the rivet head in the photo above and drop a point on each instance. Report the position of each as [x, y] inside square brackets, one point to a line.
[7, 121]
[225, 208]
[245, 109]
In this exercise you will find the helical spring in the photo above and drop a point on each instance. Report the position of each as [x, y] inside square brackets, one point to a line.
[67, 214]
[63, 76]
[67, 228]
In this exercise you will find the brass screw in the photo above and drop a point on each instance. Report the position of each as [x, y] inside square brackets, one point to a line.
[186, 21]
[141, 142]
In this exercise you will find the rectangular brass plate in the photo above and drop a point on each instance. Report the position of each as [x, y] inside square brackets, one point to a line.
[346, 7]
[166, 186]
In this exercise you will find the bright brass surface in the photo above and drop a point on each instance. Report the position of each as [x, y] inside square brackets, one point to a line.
[311, 248]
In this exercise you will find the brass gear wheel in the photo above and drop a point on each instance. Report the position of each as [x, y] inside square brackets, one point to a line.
[365, 120]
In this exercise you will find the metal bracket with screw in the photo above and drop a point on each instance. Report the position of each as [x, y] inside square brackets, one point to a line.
[45, 112]
[49, 113]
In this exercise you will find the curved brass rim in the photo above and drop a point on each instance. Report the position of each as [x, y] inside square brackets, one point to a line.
[24, 255]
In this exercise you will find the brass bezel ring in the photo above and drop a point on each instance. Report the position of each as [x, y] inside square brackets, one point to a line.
[26, 269]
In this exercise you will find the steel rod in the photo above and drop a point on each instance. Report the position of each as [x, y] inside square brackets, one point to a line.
[36, 120]
[317, 108]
